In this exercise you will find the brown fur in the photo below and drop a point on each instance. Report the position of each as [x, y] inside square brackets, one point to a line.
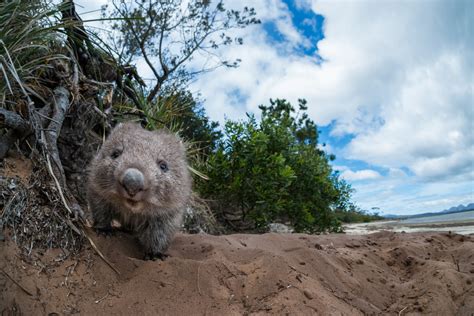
[155, 212]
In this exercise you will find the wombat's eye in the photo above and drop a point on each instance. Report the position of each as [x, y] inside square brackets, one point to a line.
[163, 165]
[115, 154]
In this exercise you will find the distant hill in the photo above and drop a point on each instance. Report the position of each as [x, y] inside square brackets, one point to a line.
[459, 208]
[455, 209]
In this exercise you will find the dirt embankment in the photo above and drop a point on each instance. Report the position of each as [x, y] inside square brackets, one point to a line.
[383, 273]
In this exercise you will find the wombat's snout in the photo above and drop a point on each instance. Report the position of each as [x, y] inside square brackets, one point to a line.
[133, 181]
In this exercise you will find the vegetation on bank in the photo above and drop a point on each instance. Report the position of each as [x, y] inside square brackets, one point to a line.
[357, 216]
[272, 170]
[63, 88]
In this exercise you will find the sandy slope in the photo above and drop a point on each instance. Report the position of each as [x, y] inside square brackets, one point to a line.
[383, 273]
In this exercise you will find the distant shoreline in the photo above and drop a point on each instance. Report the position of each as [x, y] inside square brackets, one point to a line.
[461, 224]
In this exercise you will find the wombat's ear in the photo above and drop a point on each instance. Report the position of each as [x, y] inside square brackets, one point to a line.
[127, 125]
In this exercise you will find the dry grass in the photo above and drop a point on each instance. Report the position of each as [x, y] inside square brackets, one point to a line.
[34, 217]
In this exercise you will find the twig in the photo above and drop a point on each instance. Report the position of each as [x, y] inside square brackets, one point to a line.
[98, 111]
[45, 116]
[228, 270]
[70, 270]
[63, 199]
[101, 299]
[100, 253]
[18, 284]
[98, 83]
[400, 312]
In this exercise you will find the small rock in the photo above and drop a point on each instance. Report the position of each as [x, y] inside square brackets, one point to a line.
[280, 228]
[308, 294]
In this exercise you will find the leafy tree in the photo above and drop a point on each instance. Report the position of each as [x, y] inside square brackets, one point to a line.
[273, 171]
[169, 33]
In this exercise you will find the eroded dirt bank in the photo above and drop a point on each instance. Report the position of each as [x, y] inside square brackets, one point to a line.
[383, 273]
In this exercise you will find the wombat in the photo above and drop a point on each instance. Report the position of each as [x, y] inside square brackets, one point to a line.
[141, 179]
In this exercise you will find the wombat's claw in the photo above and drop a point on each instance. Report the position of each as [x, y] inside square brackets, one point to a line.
[155, 256]
[78, 212]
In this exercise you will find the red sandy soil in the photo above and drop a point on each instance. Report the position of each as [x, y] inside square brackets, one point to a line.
[293, 274]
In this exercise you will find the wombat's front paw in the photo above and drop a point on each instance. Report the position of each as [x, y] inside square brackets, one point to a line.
[155, 255]
[104, 231]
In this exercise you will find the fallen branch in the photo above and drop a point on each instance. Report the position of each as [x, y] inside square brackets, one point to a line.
[51, 133]
[18, 129]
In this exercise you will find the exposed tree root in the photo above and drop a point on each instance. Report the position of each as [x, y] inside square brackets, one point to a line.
[18, 129]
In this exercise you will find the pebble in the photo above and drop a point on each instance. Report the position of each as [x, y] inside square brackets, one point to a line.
[308, 294]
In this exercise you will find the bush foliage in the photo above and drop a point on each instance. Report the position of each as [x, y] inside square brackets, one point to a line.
[272, 170]
[356, 216]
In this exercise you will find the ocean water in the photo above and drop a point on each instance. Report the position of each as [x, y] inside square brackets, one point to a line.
[460, 223]
[445, 218]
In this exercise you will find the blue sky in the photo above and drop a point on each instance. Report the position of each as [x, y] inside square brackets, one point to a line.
[390, 85]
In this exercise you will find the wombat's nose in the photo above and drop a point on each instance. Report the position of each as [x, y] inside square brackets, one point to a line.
[133, 181]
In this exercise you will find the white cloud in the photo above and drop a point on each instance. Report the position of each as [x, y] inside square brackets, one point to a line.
[399, 76]
[365, 174]
[428, 127]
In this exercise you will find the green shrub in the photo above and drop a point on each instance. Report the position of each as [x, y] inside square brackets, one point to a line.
[272, 171]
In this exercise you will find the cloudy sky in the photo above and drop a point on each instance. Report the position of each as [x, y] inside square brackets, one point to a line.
[389, 83]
